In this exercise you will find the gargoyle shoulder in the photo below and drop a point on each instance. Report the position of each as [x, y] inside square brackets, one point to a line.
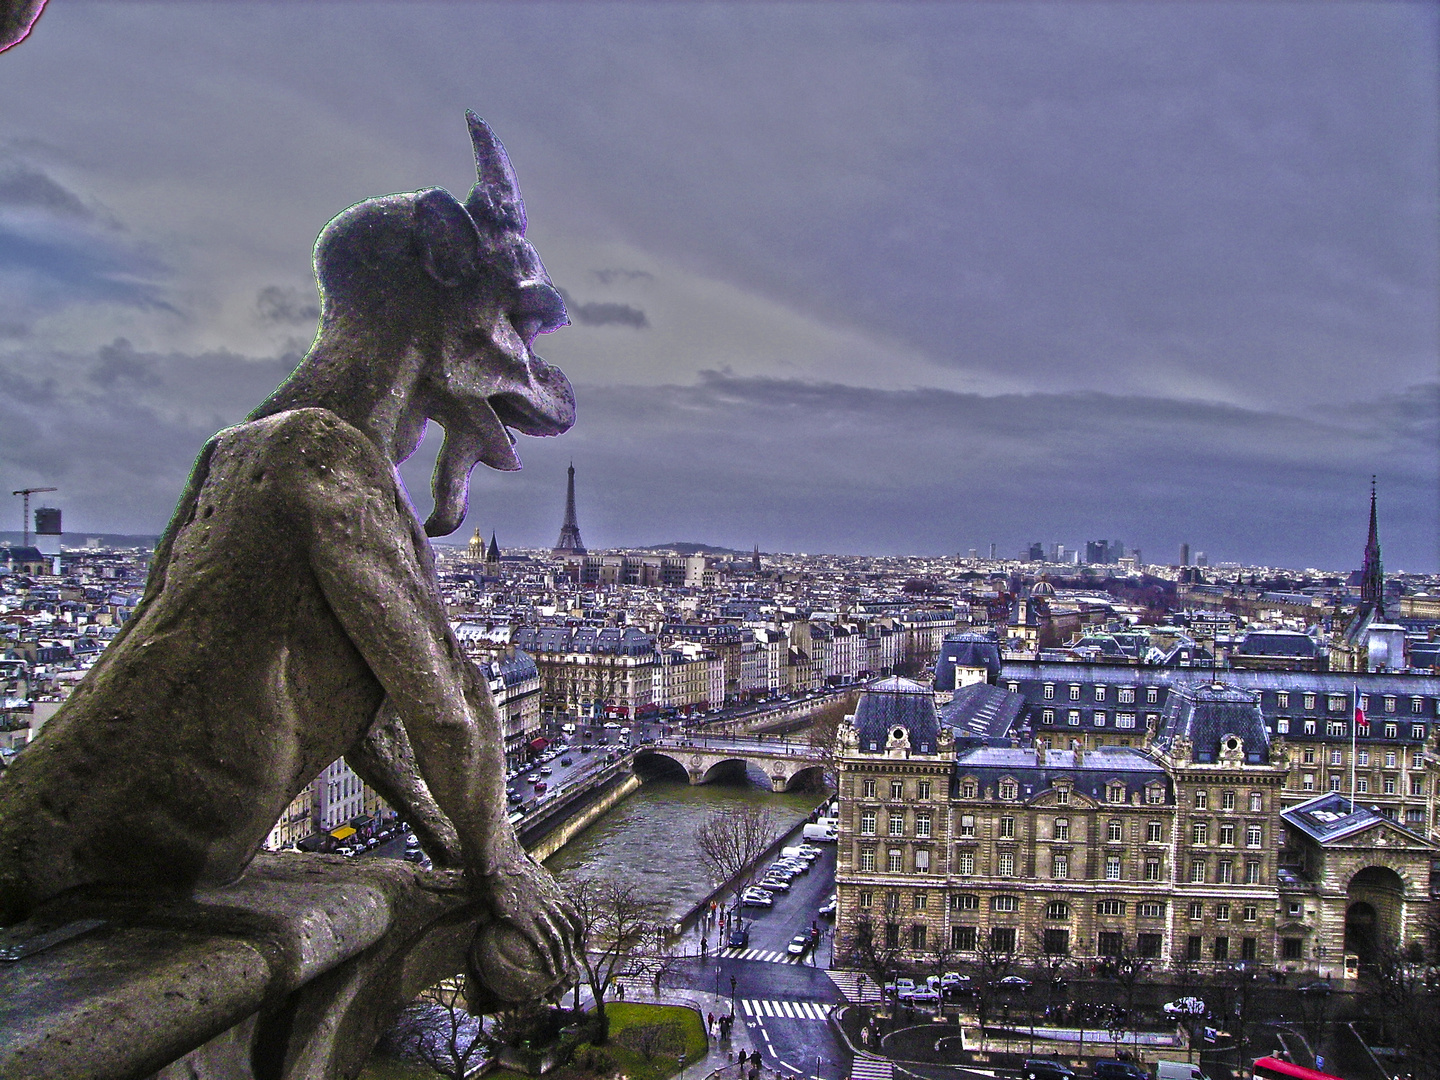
[314, 441]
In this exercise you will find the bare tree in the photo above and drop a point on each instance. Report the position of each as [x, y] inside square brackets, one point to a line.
[868, 953]
[614, 922]
[991, 965]
[732, 838]
[437, 1029]
[662, 953]
[649, 1040]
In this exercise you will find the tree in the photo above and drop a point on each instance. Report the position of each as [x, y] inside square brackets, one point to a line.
[869, 954]
[614, 922]
[662, 953]
[648, 1040]
[732, 838]
[437, 1029]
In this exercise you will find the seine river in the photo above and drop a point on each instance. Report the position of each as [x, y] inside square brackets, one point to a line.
[649, 838]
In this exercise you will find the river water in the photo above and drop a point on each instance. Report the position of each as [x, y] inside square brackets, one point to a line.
[648, 839]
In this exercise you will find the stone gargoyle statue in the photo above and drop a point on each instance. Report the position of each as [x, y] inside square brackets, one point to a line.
[292, 614]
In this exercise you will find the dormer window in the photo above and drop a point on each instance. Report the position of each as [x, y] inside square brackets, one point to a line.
[1062, 796]
[1008, 789]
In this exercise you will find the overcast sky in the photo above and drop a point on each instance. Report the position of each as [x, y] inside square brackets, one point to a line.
[856, 278]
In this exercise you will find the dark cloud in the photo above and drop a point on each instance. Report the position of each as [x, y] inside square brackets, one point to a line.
[286, 305]
[611, 275]
[604, 314]
[24, 186]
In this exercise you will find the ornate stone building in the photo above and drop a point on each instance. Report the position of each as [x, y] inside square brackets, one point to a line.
[1178, 848]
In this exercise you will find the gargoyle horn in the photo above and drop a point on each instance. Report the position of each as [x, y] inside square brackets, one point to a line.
[495, 198]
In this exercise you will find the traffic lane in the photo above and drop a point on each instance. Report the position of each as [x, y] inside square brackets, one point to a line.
[795, 912]
[792, 1043]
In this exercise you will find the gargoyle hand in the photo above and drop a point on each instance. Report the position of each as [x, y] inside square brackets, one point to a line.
[527, 949]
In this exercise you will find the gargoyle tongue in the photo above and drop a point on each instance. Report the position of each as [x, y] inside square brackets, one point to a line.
[480, 437]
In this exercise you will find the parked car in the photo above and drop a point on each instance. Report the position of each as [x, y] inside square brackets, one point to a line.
[798, 944]
[566, 760]
[1115, 1069]
[953, 984]
[923, 995]
[1316, 986]
[827, 909]
[756, 898]
[899, 986]
[1013, 982]
[533, 778]
[739, 935]
[1185, 1006]
[1045, 1069]
[772, 884]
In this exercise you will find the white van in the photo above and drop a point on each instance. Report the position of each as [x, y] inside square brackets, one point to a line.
[568, 729]
[1178, 1070]
[820, 831]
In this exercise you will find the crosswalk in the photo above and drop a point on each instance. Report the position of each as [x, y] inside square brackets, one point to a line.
[769, 956]
[855, 986]
[869, 1067]
[793, 1010]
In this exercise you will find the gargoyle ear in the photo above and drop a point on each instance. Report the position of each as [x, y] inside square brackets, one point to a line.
[495, 198]
[449, 241]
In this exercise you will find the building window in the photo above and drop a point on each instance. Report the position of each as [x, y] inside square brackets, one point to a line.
[967, 825]
[1152, 694]
[1389, 759]
[1227, 800]
[1388, 785]
[922, 825]
[1252, 873]
[869, 789]
[1003, 903]
[1257, 802]
[1062, 795]
[1155, 794]
[1074, 692]
[1202, 799]
[897, 824]
[1152, 869]
[897, 790]
[1062, 828]
[1308, 727]
[1222, 948]
[1250, 912]
[867, 860]
[867, 898]
[1148, 945]
[1309, 700]
[1417, 731]
[1125, 695]
[1059, 866]
[967, 789]
[917, 937]
[896, 861]
[1154, 832]
[1110, 907]
[1115, 793]
[1047, 716]
[1007, 789]
[1152, 909]
[1282, 699]
[1007, 864]
[1099, 693]
[922, 789]
[892, 935]
[1389, 703]
[1199, 833]
[1417, 785]
[1111, 943]
[1197, 870]
[1417, 705]
[919, 901]
[965, 864]
[1002, 939]
[1057, 909]
[1254, 835]
[1056, 941]
[964, 902]
[1227, 834]
[964, 938]
[1335, 757]
[1282, 725]
[867, 822]
[1099, 718]
[1222, 912]
[1125, 720]
[1336, 703]
[1007, 828]
[1390, 732]
[1362, 784]
[1073, 718]
[1112, 867]
[1224, 872]
[1114, 831]
[1196, 909]
[1309, 755]
[1307, 782]
[1292, 948]
[1193, 947]
[1049, 691]
[922, 861]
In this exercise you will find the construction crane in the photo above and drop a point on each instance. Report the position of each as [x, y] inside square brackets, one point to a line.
[27, 492]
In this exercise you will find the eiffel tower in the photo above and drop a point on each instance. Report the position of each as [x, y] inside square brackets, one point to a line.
[570, 542]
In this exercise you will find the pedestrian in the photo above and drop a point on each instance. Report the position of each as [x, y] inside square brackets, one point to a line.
[709, 1023]
[704, 946]
[755, 1059]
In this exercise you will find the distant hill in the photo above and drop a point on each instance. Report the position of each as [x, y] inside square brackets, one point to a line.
[683, 548]
[78, 539]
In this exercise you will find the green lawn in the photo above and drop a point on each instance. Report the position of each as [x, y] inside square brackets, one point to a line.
[624, 1014]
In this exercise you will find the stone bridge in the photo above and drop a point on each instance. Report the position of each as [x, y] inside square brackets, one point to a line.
[788, 763]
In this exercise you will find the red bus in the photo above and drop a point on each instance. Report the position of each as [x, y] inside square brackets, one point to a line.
[1274, 1069]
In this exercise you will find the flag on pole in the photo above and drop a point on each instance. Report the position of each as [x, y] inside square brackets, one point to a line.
[1355, 727]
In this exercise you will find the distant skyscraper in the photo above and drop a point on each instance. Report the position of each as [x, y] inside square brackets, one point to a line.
[993, 548]
[1184, 554]
[570, 542]
[1372, 574]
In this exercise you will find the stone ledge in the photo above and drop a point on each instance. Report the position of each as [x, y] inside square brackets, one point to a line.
[160, 980]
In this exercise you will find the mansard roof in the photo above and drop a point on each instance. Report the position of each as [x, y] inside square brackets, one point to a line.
[1332, 817]
[1089, 773]
[981, 713]
[896, 702]
[969, 650]
[1207, 714]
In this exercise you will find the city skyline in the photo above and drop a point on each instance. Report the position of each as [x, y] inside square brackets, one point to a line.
[906, 279]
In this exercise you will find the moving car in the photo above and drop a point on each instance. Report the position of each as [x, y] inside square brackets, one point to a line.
[1316, 986]
[739, 936]
[1045, 1069]
[1185, 1006]
[1014, 982]
[898, 987]
[798, 944]
[923, 995]
[953, 984]
[1115, 1069]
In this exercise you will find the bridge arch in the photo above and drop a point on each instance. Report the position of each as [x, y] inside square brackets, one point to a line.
[653, 765]
[803, 778]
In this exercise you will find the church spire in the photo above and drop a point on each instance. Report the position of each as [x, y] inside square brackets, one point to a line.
[1372, 575]
[570, 542]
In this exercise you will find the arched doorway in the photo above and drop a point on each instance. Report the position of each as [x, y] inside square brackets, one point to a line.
[1374, 912]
